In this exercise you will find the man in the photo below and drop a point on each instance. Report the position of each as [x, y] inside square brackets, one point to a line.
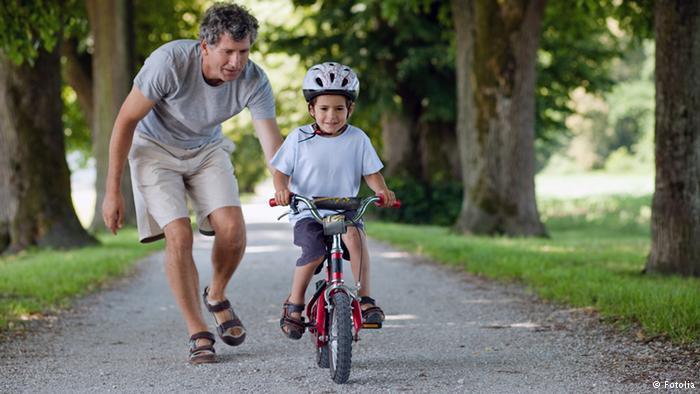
[170, 127]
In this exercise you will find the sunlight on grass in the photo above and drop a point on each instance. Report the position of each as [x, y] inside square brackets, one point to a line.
[577, 185]
[34, 282]
[595, 257]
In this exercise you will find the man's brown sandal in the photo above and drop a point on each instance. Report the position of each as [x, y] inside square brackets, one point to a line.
[372, 317]
[291, 327]
[204, 354]
[230, 331]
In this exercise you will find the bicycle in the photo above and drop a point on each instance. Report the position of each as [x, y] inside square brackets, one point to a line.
[333, 312]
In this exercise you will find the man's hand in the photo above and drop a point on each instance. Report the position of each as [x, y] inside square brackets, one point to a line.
[113, 211]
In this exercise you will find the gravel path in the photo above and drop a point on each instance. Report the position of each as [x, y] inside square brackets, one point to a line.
[445, 332]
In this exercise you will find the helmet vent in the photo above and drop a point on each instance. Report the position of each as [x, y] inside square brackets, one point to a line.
[330, 78]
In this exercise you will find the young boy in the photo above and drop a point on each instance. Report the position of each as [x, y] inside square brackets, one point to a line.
[327, 158]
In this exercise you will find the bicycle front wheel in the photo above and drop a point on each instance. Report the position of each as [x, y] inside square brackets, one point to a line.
[322, 359]
[340, 337]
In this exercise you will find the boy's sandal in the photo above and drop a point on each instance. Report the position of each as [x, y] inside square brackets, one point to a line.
[291, 327]
[373, 314]
[203, 354]
[230, 331]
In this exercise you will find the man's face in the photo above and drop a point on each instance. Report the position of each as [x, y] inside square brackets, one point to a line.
[226, 60]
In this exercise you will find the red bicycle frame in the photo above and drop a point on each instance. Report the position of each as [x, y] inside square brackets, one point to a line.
[317, 307]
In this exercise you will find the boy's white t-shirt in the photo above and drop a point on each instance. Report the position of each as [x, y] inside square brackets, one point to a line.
[325, 166]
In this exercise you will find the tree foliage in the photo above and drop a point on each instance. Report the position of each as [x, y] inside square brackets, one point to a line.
[155, 23]
[28, 26]
[400, 50]
[159, 21]
[577, 50]
[398, 46]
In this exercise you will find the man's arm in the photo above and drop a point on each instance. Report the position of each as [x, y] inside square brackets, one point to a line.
[270, 138]
[134, 108]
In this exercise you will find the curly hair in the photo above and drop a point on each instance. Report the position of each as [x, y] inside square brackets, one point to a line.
[232, 19]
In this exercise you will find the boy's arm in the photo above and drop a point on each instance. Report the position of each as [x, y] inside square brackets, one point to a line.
[281, 182]
[378, 185]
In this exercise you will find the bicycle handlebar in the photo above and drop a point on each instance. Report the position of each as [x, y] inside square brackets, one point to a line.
[378, 200]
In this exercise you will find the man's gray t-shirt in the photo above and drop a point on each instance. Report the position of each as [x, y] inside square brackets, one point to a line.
[188, 112]
[326, 166]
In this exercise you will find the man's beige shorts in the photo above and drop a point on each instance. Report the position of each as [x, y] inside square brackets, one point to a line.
[162, 176]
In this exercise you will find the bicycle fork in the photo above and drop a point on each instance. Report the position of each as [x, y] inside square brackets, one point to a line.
[334, 283]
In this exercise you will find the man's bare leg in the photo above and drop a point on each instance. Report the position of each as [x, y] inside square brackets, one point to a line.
[182, 274]
[226, 255]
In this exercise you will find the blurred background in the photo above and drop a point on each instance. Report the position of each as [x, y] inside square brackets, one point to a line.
[595, 90]
[523, 137]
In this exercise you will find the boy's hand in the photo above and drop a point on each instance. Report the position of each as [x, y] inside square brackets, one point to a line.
[282, 197]
[389, 197]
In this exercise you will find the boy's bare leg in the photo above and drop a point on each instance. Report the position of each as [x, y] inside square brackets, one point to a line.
[300, 281]
[356, 242]
[226, 254]
[182, 274]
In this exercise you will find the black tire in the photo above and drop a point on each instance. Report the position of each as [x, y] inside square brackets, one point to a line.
[340, 338]
[322, 358]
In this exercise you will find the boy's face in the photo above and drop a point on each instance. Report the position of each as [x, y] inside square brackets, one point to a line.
[226, 60]
[331, 112]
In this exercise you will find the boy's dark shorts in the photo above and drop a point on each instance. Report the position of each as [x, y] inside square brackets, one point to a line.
[308, 234]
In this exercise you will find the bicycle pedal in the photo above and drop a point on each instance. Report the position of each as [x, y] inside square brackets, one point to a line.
[372, 326]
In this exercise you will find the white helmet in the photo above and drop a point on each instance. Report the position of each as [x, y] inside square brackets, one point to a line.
[330, 78]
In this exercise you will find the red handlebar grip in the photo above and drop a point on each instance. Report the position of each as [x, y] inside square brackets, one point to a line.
[272, 202]
[396, 204]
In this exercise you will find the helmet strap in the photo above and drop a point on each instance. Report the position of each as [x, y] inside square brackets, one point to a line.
[318, 131]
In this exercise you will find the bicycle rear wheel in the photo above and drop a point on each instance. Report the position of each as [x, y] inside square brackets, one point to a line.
[340, 341]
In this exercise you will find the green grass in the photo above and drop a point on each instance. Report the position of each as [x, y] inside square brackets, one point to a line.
[35, 282]
[594, 257]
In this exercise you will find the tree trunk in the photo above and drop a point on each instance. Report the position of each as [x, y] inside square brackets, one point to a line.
[675, 222]
[78, 74]
[398, 144]
[112, 65]
[439, 153]
[36, 204]
[497, 46]
[423, 151]
[463, 16]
